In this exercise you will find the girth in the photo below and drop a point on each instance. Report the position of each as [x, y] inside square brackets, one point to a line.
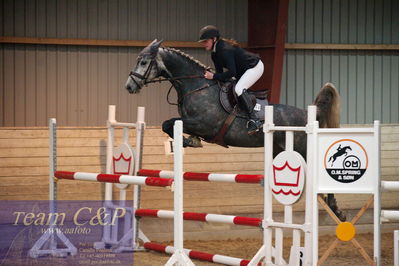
[228, 100]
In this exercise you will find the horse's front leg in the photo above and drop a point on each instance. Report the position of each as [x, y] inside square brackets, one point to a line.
[192, 141]
[167, 126]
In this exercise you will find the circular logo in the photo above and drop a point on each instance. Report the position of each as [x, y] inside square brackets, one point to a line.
[346, 160]
[287, 177]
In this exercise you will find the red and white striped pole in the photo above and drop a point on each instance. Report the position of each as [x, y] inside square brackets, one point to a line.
[112, 178]
[227, 260]
[202, 217]
[210, 177]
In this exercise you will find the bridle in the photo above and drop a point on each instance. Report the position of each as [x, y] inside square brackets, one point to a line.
[148, 71]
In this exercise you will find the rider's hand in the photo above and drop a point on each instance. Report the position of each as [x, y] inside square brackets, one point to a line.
[208, 75]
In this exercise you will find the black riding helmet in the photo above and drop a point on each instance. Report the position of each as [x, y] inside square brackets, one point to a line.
[208, 32]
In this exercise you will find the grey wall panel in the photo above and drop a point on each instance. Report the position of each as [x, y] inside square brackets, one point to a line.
[8, 17]
[41, 80]
[123, 19]
[20, 86]
[77, 83]
[9, 85]
[51, 63]
[343, 21]
[367, 82]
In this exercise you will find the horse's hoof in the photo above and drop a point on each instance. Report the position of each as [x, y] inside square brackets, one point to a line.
[253, 126]
[193, 141]
[341, 215]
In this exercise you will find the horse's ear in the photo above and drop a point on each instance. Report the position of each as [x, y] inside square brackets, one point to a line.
[154, 46]
[152, 43]
[157, 43]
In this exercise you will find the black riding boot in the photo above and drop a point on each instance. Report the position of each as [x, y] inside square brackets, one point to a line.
[253, 124]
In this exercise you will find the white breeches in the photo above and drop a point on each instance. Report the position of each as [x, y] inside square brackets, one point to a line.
[249, 78]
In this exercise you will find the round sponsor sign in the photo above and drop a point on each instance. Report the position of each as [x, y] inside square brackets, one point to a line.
[287, 177]
[346, 160]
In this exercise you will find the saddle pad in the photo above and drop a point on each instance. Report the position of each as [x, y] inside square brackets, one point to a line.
[227, 106]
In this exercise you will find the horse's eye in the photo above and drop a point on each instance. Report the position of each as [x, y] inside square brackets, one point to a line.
[143, 63]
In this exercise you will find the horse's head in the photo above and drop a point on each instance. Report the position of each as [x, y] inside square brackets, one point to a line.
[146, 68]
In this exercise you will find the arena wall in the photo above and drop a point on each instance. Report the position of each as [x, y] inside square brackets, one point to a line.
[353, 44]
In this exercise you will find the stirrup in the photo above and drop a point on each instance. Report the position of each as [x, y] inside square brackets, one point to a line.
[253, 126]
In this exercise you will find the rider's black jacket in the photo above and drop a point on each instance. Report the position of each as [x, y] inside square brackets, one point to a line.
[233, 58]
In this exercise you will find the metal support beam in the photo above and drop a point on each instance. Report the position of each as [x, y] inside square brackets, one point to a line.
[267, 26]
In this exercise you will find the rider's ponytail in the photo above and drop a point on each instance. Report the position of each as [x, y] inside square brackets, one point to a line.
[231, 41]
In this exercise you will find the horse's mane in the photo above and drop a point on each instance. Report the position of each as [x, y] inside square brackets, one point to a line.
[186, 56]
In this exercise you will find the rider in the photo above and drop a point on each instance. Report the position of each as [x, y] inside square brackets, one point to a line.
[246, 67]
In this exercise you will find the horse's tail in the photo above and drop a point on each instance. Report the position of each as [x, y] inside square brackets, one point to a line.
[328, 104]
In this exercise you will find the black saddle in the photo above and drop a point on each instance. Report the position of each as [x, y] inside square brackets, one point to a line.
[229, 102]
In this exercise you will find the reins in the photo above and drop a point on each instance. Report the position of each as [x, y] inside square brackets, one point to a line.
[171, 79]
[145, 76]
[170, 88]
[188, 93]
[177, 79]
[174, 79]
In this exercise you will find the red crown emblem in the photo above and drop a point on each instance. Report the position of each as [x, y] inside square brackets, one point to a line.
[121, 165]
[286, 176]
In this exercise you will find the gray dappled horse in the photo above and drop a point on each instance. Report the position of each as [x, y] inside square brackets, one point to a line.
[201, 112]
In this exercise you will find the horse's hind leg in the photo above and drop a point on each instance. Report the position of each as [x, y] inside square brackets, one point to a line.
[332, 203]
